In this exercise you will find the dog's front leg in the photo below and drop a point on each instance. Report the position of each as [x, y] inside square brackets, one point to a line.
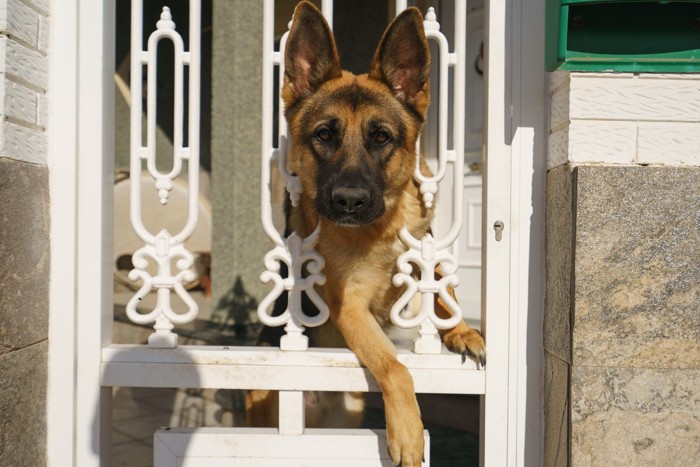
[365, 337]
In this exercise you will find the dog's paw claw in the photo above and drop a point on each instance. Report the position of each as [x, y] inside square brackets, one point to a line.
[468, 343]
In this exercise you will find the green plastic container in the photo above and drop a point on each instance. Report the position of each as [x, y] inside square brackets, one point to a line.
[623, 36]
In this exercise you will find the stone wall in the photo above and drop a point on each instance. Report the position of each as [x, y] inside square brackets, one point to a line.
[622, 321]
[24, 231]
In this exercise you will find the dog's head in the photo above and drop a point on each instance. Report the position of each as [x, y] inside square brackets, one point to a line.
[353, 138]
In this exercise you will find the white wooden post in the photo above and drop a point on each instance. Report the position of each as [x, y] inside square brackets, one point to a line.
[81, 167]
[497, 436]
[62, 161]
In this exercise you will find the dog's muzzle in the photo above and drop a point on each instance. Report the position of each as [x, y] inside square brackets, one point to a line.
[350, 201]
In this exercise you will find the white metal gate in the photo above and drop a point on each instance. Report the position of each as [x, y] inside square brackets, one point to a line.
[164, 364]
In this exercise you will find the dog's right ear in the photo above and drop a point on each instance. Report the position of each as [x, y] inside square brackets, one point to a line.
[311, 57]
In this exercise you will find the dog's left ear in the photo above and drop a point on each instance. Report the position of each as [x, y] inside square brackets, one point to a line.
[402, 60]
[311, 57]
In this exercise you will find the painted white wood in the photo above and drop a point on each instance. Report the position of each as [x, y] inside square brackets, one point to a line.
[269, 356]
[528, 284]
[469, 259]
[291, 413]
[258, 447]
[94, 234]
[497, 430]
[474, 118]
[165, 248]
[524, 139]
[294, 251]
[505, 286]
[442, 250]
[469, 290]
[62, 161]
[400, 5]
[267, 368]
[80, 316]
[327, 10]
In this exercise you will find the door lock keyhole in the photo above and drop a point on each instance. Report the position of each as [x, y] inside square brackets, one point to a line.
[498, 228]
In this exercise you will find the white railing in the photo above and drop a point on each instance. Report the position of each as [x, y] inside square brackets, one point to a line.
[165, 248]
[428, 253]
[164, 364]
[294, 250]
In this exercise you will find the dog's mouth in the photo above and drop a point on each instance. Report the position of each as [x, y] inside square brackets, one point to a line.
[351, 219]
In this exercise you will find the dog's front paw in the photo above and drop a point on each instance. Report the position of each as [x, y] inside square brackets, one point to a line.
[406, 444]
[466, 342]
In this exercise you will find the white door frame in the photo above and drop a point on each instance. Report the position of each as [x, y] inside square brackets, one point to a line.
[81, 177]
[514, 194]
[80, 157]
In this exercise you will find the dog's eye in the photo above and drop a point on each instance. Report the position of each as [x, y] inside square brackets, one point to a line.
[324, 134]
[381, 137]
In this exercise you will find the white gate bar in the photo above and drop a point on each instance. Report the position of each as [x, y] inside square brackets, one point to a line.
[263, 447]
[401, 5]
[164, 248]
[327, 10]
[268, 368]
[430, 253]
[296, 252]
[292, 413]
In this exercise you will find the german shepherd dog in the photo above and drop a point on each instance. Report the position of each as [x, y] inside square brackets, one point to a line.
[353, 143]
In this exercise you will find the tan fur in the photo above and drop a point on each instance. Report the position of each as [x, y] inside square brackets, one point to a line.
[361, 259]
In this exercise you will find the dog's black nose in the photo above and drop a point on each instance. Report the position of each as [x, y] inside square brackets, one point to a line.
[349, 199]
